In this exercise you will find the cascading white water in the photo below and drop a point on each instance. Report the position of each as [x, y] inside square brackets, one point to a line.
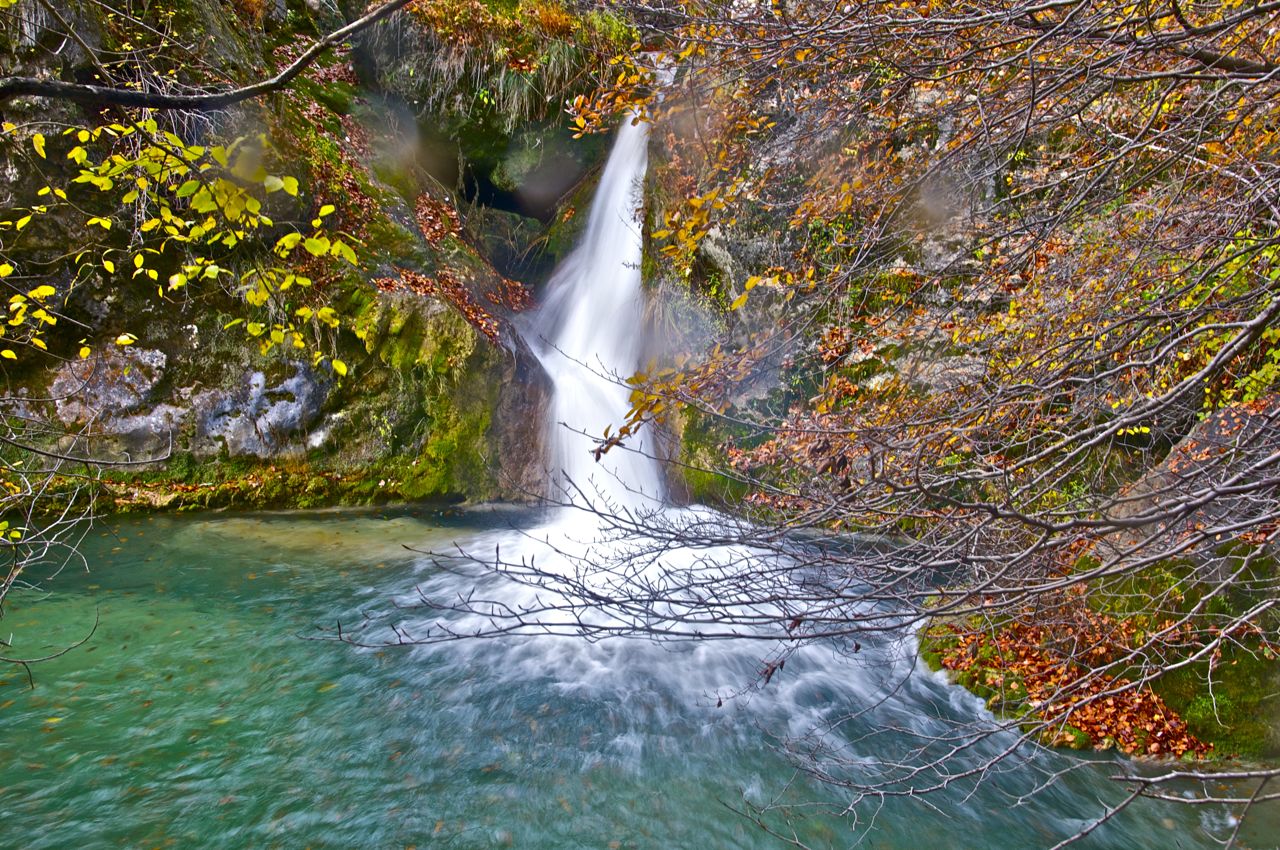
[587, 335]
[617, 561]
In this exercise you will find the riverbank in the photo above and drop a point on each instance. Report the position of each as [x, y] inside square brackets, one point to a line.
[1218, 703]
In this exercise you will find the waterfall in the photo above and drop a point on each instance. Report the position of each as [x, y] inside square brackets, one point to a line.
[587, 336]
[617, 561]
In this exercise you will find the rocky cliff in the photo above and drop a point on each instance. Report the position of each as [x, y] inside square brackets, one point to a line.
[452, 185]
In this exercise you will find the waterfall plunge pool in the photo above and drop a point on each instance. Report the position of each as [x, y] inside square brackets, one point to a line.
[199, 715]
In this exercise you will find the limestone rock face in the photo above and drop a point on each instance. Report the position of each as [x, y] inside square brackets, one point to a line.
[147, 436]
[1217, 476]
[117, 382]
[255, 419]
[517, 428]
[109, 402]
[442, 399]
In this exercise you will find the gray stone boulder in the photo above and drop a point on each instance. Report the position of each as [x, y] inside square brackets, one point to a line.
[259, 420]
[1219, 480]
[116, 382]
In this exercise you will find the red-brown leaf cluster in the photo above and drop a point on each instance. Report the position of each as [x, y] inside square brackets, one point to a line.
[512, 294]
[1053, 672]
[334, 72]
[523, 64]
[447, 286]
[835, 344]
[436, 219]
[357, 142]
[338, 182]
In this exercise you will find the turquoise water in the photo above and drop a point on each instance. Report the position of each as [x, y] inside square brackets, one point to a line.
[204, 713]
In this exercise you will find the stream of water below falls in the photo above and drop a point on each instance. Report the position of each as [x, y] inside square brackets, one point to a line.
[200, 716]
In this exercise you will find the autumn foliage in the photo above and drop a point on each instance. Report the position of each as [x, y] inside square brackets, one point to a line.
[1015, 311]
[447, 286]
[1040, 666]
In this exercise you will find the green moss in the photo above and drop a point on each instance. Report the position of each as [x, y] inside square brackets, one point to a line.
[405, 181]
[404, 333]
[1230, 706]
[267, 487]
[337, 97]
[1231, 702]
[563, 234]
[1076, 739]
[993, 678]
[611, 28]
[932, 657]
[452, 461]
[701, 455]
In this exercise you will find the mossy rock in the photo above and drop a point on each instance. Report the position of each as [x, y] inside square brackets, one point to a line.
[1239, 713]
[701, 437]
[1232, 702]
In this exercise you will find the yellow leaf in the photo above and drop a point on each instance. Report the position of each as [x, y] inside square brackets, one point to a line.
[126, 339]
[8, 354]
[339, 367]
[85, 351]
